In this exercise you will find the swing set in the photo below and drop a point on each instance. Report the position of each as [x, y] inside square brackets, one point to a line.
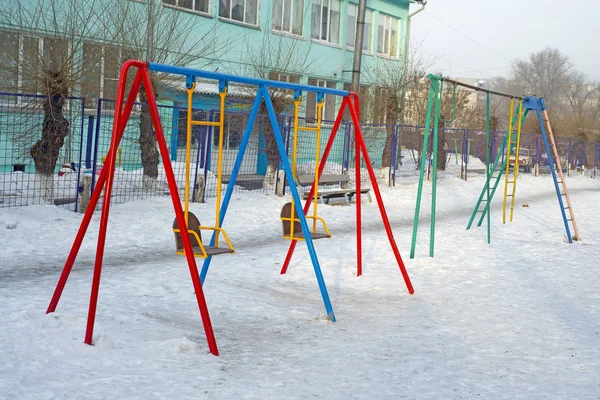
[506, 161]
[191, 244]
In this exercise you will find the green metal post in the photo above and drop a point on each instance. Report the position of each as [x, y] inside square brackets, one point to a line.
[436, 118]
[487, 163]
[468, 149]
[433, 93]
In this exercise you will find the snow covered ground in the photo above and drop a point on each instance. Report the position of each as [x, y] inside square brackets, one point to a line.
[517, 319]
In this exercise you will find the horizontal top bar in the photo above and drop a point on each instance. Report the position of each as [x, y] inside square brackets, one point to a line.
[476, 88]
[171, 69]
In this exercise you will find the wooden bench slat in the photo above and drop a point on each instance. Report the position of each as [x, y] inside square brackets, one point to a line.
[307, 180]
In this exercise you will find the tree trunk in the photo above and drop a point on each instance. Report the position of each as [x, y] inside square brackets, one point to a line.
[45, 151]
[147, 140]
[442, 148]
[392, 111]
[271, 149]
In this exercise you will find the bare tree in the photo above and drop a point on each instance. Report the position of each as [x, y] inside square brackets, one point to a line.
[583, 116]
[401, 93]
[547, 73]
[42, 44]
[280, 58]
[156, 33]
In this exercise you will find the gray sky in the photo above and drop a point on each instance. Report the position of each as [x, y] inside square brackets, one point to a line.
[510, 29]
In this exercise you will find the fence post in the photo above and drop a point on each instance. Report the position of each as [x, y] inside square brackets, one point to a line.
[208, 151]
[79, 167]
[280, 178]
[84, 194]
[198, 188]
[89, 142]
[569, 155]
[96, 140]
[394, 150]
[463, 158]
[174, 133]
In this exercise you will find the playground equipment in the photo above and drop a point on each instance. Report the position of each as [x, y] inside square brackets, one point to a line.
[105, 181]
[191, 221]
[509, 147]
[289, 219]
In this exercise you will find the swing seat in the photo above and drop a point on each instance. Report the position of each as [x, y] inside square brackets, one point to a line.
[298, 234]
[200, 250]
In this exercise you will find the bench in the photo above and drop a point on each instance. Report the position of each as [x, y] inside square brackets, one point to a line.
[326, 194]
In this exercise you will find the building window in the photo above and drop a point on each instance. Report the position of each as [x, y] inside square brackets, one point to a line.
[9, 61]
[351, 27]
[387, 36]
[101, 67]
[288, 16]
[284, 77]
[23, 60]
[325, 23]
[193, 5]
[199, 132]
[311, 101]
[239, 10]
[233, 130]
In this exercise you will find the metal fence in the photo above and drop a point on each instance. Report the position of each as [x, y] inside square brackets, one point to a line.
[23, 119]
[84, 148]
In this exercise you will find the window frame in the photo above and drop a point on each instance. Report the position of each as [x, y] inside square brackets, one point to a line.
[227, 133]
[236, 21]
[329, 10]
[292, 15]
[387, 29]
[370, 31]
[103, 78]
[311, 101]
[192, 10]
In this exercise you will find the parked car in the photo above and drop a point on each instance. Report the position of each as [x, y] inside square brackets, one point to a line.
[525, 160]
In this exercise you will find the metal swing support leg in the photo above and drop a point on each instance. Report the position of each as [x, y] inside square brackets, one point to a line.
[352, 103]
[263, 93]
[106, 182]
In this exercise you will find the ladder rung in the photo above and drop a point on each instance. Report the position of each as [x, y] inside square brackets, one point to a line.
[563, 194]
[566, 208]
[509, 195]
[569, 220]
[205, 123]
[303, 128]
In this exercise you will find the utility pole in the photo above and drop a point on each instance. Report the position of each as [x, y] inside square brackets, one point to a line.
[358, 44]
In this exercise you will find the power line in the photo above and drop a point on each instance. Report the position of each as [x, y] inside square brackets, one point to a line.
[462, 34]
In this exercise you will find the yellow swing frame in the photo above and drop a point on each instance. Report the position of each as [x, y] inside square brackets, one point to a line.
[315, 216]
[205, 250]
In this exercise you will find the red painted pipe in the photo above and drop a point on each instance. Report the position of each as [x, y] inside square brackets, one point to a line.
[332, 136]
[358, 201]
[62, 281]
[187, 245]
[110, 165]
[384, 217]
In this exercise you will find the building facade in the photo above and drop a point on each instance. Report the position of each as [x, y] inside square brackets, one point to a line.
[304, 41]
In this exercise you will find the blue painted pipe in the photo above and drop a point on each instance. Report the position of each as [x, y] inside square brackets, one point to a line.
[171, 69]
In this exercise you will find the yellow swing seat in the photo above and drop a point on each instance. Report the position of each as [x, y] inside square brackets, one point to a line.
[200, 250]
[296, 233]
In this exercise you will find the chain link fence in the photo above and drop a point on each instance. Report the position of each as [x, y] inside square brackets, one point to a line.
[24, 121]
[141, 175]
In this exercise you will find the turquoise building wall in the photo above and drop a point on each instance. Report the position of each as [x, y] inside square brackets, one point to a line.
[235, 47]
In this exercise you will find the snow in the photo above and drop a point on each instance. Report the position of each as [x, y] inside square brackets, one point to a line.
[517, 319]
